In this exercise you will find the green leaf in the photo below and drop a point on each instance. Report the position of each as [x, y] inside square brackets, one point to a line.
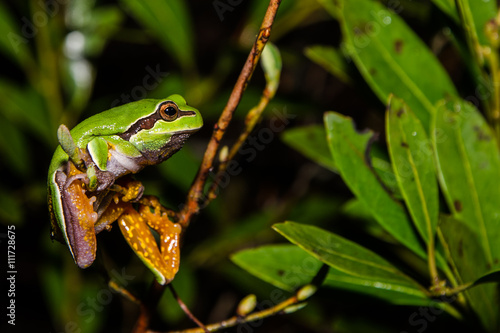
[412, 158]
[382, 166]
[468, 258]
[170, 23]
[288, 267]
[26, 109]
[448, 7]
[331, 59]
[474, 15]
[349, 149]
[356, 262]
[271, 64]
[468, 162]
[284, 266]
[391, 57]
[311, 142]
[492, 277]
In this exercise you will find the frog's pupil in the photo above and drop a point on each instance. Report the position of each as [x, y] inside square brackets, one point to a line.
[170, 111]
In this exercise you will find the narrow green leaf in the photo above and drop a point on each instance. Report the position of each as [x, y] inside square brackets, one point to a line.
[448, 7]
[271, 64]
[285, 266]
[474, 15]
[169, 22]
[349, 258]
[468, 162]
[349, 150]
[468, 258]
[492, 277]
[390, 56]
[311, 142]
[412, 158]
[25, 108]
[288, 267]
[331, 59]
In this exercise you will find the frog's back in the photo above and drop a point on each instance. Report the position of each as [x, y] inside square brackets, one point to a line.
[113, 121]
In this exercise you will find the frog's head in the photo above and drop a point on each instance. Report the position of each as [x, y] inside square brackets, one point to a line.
[161, 134]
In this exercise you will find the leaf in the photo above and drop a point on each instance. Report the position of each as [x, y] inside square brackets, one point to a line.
[348, 149]
[468, 258]
[412, 158]
[356, 262]
[170, 23]
[331, 59]
[271, 64]
[448, 7]
[288, 267]
[474, 16]
[311, 142]
[468, 160]
[391, 57]
[284, 266]
[25, 108]
[488, 278]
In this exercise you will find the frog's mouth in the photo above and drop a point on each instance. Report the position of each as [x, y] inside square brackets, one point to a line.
[171, 147]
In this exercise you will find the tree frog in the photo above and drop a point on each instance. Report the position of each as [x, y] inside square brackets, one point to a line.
[88, 183]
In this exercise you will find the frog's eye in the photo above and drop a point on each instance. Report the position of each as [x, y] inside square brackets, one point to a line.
[169, 111]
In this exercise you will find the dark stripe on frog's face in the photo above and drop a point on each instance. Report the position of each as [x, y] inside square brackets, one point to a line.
[163, 112]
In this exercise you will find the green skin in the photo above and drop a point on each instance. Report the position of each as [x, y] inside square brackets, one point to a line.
[107, 146]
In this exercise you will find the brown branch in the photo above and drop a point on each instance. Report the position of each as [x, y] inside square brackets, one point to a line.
[291, 304]
[195, 196]
[186, 310]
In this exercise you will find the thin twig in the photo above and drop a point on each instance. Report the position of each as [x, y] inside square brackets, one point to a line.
[196, 195]
[186, 309]
[252, 119]
[235, 320]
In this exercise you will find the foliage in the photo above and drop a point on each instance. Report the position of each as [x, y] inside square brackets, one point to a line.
[433, 136]
[413, 223]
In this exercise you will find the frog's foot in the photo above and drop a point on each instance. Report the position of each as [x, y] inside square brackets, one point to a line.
[131, 190]
[169, 235]
[138, 235]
